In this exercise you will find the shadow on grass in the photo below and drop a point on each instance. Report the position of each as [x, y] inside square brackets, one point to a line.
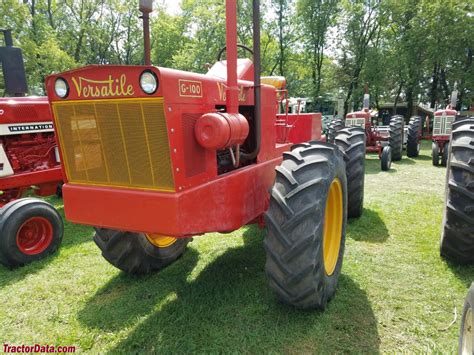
[465, 273]
[368, 228]
[73, 235]
[227, 308]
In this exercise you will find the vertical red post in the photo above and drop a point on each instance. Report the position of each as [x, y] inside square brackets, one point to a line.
[232, 91]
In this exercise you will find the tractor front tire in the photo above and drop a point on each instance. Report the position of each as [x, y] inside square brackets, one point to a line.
[457, 239]
[386, 158]
[30, 230]
[395, 140]
[444, 156]
[466, 332]
[352, 142]
[307, 225]
[413, 137]
[138, 253]
[435, 154]
[334, 126]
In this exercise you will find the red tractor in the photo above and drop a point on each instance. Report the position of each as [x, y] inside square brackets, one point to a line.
[440, 134]
[153, 156]
[387, 142]
[30, 228]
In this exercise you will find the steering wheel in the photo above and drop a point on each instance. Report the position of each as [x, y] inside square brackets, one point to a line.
[239, 45]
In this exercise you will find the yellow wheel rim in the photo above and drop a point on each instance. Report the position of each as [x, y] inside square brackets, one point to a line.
[332, 227]
[161, 241]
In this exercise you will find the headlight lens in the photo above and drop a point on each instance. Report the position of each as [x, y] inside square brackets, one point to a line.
[148, 82]
[61, 88]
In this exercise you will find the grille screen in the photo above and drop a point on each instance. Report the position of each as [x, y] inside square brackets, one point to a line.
[115, 143]
[355, 122]
[442, 125]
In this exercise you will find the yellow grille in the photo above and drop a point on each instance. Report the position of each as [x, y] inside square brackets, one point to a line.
[121, 143]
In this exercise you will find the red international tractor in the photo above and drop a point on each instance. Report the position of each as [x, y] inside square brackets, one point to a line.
[30, 228]
[457, 238]
[387, 142]
[153, 156]
[439, 133]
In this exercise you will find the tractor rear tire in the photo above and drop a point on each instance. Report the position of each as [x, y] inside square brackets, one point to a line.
[435, 154]
[413, 137]
[335, 126]
[306, 223]
[466, 331]
[457, 239]
[30, 230]
[386, 158]
[395, 140]
[135, 253]
[352, 142]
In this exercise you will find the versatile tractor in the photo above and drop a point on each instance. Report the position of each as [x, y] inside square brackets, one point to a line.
[457, 239]
[387, 142]
[153, 156]
[30, 229]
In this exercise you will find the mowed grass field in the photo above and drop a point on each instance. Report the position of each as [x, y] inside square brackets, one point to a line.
[395, 293]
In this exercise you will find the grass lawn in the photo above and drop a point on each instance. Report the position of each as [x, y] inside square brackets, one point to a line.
[395, 293]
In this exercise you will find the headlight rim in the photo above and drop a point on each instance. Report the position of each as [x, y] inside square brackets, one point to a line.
[66, 84]
[157, 83]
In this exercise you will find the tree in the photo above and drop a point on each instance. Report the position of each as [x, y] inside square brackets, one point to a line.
[316, 17]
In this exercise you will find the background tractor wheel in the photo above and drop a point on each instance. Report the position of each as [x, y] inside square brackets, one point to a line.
[413, 137]
[386, 158]
[395, 140]
[336, 125]
[352, 142]
[466, 332]
[435, 154]
[138, 253]
[30, 229]
[307, 225]
[444, 156]
[457, 240]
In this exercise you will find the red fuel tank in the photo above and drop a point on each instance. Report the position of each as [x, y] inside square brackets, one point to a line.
[221, 130]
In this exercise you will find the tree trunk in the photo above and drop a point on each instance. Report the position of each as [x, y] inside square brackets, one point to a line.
[409, 102]
[434, 85]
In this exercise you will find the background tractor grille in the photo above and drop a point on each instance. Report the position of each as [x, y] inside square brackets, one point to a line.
[355, 122]
[442, 125]
[115, 143]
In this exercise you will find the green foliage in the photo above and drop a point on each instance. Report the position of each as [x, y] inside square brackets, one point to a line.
[406, 50]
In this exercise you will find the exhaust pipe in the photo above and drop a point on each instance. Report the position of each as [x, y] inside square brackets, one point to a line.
[146, 6]
[13, 68]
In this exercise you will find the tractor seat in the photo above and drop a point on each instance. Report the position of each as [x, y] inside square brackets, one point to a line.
[278, 82]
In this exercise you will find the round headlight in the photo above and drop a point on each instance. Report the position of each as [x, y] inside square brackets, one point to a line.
[148, 82]
[61, 88]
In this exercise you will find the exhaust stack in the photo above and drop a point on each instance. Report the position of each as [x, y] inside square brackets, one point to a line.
[11, 59]
[146, 6]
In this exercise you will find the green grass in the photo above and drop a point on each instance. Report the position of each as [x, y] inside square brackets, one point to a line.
[395, 293]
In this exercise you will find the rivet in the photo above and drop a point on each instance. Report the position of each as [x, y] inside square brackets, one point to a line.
[174, 150]
[177, 169]
[172, 130]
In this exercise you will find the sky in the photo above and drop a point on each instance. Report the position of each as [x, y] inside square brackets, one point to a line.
[172, 6]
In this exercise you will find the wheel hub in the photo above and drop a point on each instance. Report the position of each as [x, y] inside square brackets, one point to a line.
[332, 227]
[161, 241]
[466, 346]
[34, 235]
